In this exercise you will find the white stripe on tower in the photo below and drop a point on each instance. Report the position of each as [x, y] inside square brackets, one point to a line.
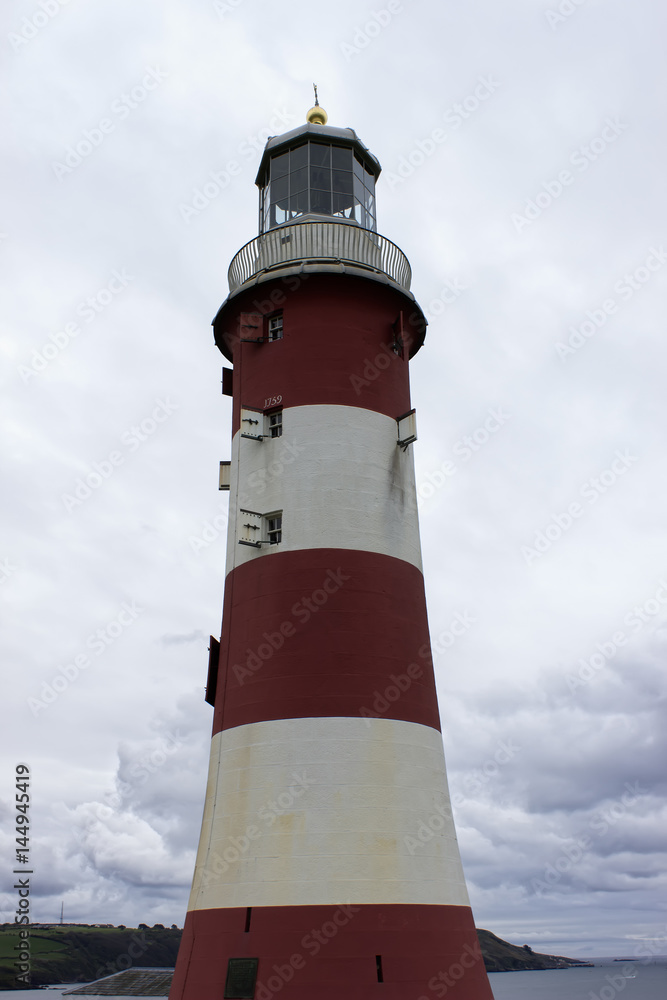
[323, 811]
[339, 478]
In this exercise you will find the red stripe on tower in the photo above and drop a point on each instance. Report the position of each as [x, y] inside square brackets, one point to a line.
[312, 878]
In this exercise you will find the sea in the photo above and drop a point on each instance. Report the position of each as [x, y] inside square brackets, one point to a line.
[606, 980]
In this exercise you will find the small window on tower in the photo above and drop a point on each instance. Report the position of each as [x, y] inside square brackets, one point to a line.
[275, 423]
[274, 528]
[275, 327]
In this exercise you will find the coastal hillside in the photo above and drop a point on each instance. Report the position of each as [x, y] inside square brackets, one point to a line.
[500, 956]
[79, 954]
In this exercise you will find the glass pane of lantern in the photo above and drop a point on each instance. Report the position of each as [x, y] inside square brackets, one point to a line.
[359, 190]
[279, 165]
[320, 177]
[298, 204]
[358, 167]
[278, 214]
[320, 202]
[298, 157]
[279, 189]
[299, 179]
[341, 159]
[320, 155]
[342, 181]
[343, 205]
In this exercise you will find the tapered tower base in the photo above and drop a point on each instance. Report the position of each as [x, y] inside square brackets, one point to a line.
[341, 952]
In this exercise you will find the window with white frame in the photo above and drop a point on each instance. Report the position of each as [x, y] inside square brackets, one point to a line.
[274, 527]
[275, 327]
[274, 422]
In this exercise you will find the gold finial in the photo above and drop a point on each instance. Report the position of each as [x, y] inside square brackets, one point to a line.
[317, 115]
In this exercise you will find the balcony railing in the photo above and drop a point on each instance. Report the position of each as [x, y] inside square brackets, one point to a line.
[314, 242]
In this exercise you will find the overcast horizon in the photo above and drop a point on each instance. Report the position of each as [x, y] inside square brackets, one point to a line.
[523, 161]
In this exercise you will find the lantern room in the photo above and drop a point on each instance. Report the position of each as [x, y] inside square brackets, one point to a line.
[316, 172]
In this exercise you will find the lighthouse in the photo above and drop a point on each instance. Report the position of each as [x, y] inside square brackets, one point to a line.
[328, 866]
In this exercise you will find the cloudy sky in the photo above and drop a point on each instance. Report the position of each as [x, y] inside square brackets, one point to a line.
[523, 160]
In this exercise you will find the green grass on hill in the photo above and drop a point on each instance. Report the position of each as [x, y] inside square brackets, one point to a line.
[82, 954]
[41, 945]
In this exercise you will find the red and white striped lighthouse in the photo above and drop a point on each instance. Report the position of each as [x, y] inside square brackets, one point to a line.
[314, 877]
